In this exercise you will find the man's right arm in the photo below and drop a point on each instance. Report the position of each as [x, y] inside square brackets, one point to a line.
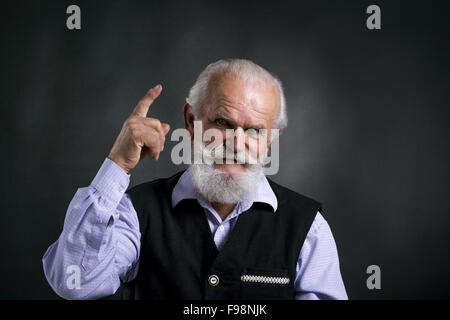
[100, 239]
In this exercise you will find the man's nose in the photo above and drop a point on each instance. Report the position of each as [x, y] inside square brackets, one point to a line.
[239, 140]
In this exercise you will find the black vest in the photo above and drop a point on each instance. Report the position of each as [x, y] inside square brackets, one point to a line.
[179, 259]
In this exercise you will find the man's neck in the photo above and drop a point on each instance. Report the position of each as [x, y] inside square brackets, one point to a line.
[223, 209]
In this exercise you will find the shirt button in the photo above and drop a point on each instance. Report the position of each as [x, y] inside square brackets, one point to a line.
[221, 228]
[213, 280]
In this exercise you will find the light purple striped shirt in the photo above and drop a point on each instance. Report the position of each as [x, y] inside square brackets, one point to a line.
[101, 238]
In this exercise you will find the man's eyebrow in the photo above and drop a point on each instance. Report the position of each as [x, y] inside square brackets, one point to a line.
[221, 114]
[257, 127]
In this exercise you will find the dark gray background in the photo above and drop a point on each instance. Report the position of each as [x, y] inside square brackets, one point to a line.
[368, 113]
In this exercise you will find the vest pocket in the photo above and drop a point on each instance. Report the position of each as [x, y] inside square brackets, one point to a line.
[259, 283]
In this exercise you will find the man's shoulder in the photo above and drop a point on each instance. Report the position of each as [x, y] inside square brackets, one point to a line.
[296, 210]
[159, 184]
[286, 196]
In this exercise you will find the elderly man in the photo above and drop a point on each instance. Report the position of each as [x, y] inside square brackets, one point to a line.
[219, 230]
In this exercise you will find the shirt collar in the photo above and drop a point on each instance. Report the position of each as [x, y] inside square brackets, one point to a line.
[185, 189]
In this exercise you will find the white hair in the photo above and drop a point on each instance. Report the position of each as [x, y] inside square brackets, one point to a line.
[217, 186]
[245, 70]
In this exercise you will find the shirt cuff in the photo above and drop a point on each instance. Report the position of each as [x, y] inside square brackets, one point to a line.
[111, 180]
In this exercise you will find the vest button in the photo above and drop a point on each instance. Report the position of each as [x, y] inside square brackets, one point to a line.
[213, 280]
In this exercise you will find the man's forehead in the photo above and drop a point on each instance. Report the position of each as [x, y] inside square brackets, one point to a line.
[233, 94]
[230, 87]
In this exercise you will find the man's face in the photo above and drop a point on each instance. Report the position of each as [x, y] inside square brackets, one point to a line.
[245, 108]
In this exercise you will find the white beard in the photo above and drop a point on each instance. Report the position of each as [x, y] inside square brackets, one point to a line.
[218, 186]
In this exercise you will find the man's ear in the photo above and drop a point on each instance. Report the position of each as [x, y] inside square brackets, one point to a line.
[188, 119]
[269, 143]
[272, 136]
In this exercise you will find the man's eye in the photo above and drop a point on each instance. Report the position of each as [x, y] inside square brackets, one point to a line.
[221, 122]
[251, 132]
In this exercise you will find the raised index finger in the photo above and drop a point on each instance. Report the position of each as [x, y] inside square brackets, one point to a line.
[144, 104]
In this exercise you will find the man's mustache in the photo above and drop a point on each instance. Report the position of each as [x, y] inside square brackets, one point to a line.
[222, 154]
